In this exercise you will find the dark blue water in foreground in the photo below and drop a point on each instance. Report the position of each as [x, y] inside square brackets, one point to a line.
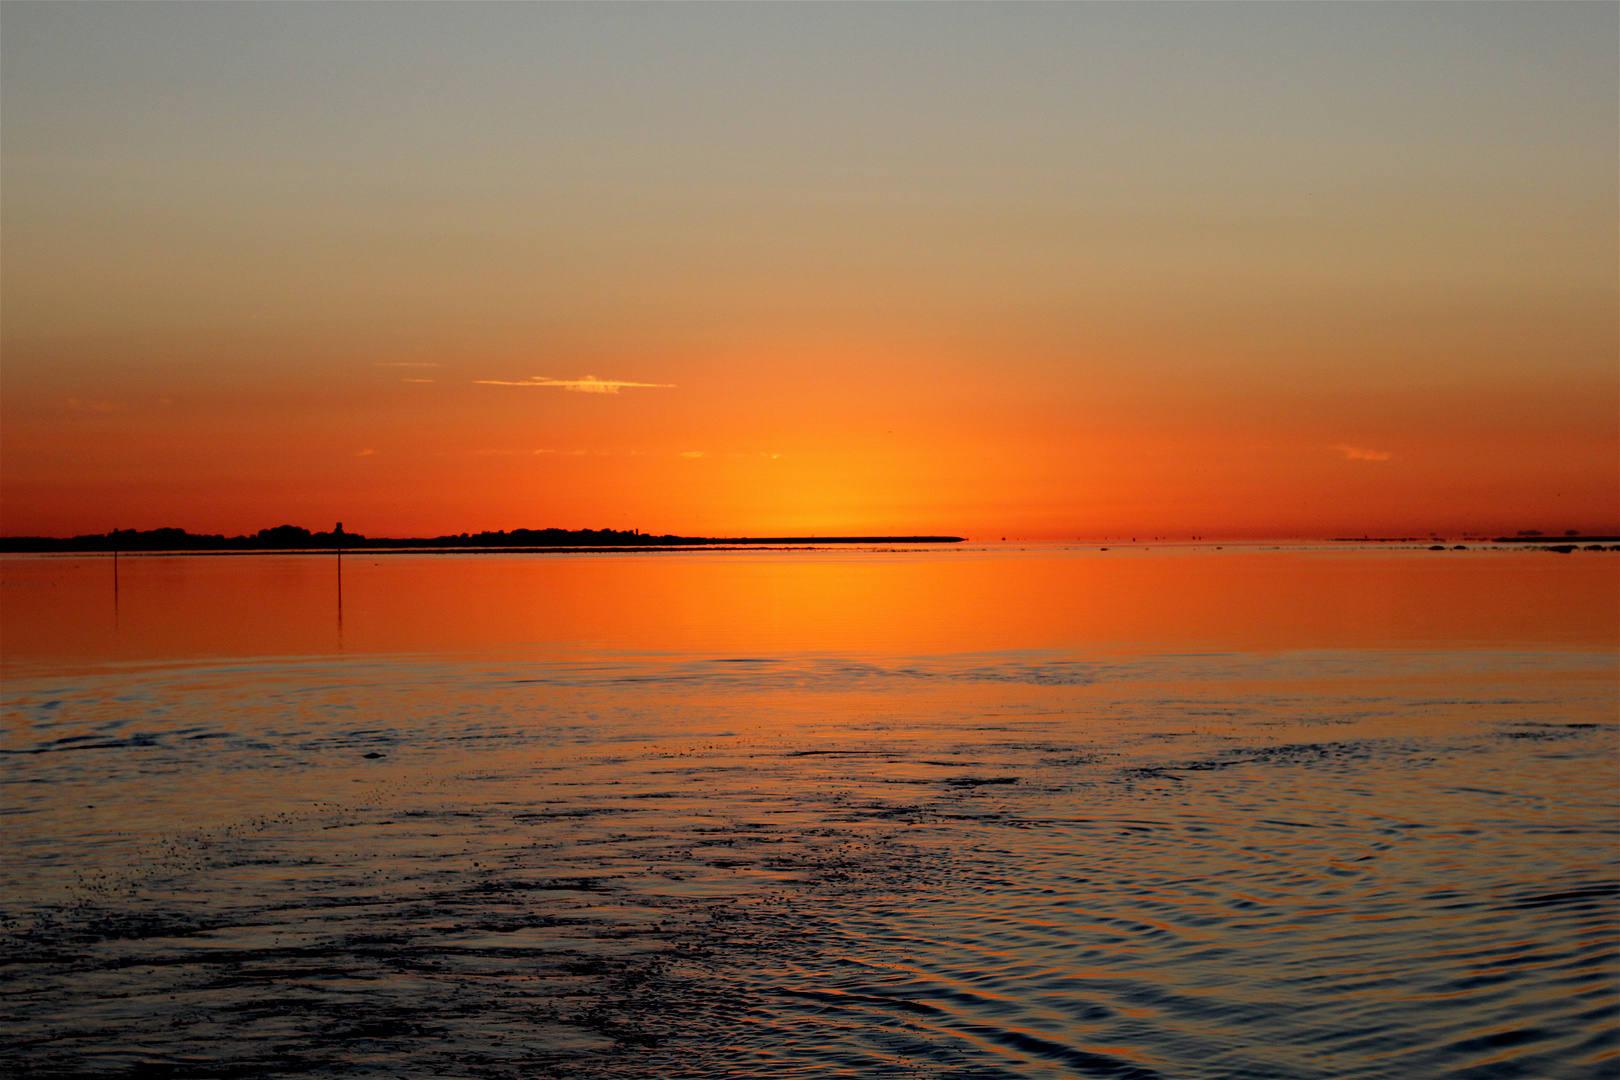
[1283, 863]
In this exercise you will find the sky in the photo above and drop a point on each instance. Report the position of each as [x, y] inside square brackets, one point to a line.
[1047, 271]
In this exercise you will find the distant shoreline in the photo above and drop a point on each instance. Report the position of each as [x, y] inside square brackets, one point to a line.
[1481, 540]
[577, 544]
[291, 539]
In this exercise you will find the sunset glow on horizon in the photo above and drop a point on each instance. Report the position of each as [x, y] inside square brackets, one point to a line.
[1045, 271]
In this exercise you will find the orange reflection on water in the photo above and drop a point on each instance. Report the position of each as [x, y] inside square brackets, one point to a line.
[741, 603]
[1283, 856]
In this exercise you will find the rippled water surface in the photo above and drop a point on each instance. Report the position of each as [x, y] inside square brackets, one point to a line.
[982, 813]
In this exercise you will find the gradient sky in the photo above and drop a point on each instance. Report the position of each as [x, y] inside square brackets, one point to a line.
[1041, 270]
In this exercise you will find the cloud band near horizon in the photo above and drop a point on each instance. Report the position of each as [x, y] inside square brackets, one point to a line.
[587, 384]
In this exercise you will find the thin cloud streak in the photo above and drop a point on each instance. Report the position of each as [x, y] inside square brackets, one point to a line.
[1361, 453]
[587, 384]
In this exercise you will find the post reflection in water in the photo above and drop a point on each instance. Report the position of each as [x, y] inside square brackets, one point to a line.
[1211, 814]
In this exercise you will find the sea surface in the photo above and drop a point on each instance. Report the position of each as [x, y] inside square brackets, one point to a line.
[986, 811]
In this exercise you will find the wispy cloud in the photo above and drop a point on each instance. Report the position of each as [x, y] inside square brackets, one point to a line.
[367, 452]
[1361, 453]
[586, 384]
[385, 363]
[97, 406]
[419, 380]
[503, 452]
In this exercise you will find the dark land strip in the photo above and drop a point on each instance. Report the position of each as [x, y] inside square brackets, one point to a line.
[294, 538]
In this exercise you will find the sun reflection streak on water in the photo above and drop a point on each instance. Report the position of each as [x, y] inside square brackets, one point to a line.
[996, 854]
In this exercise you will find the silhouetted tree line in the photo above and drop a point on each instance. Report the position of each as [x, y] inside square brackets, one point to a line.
[295, 538]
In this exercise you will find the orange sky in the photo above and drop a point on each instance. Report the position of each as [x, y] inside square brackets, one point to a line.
[1038, 270]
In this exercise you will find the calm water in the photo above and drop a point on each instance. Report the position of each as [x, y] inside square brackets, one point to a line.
[982, 813]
